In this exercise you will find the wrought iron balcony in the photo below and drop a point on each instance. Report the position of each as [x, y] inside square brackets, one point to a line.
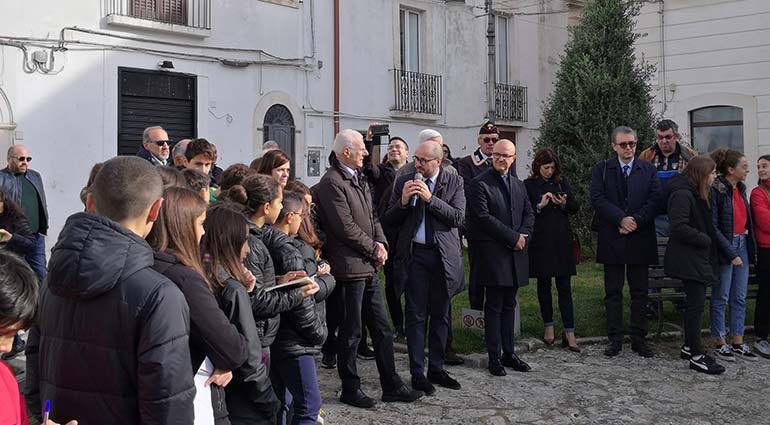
[417, 92]
[511, 102]
[189, 13]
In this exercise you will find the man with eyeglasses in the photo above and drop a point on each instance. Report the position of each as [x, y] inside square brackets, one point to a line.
[26, 188]
[625, 194]
[428, 207]
[669, 156]
[155, 146]
[499, 220]
[469, 168]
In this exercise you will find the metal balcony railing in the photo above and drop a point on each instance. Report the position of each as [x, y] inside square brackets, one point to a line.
[417, 92]
[511, 102]
[190, 13]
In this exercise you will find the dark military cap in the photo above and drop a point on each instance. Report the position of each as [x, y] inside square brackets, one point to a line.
[489, 128]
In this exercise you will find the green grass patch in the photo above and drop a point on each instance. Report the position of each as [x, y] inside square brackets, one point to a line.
[588, 299]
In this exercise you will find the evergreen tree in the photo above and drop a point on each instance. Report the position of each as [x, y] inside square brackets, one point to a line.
[600, 85]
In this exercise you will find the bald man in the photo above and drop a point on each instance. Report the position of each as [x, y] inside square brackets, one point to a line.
[428, 241]
[25, 186]
[499, 220]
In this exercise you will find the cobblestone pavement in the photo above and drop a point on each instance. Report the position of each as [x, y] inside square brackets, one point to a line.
[568, 388]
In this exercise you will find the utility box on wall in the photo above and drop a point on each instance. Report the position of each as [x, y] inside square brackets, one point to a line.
[314, 162]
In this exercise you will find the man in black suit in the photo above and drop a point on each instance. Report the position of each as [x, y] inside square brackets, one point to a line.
[624, 194]
[428, 207]
[499, 220]
[469, 168]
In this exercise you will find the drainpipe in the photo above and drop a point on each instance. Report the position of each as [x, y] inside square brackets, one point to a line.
[336, 66]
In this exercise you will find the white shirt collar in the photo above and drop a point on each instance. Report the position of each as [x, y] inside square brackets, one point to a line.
[350, 171]
[630, 164]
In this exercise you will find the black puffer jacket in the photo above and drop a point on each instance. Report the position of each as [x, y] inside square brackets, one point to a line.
[285, 257]
[303, 329]
[250, 396]
[691, 253]
[104, 313]
[267, 306]
[22, 241]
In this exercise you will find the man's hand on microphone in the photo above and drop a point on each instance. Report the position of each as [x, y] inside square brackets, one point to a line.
[423, 190]
[411, 187]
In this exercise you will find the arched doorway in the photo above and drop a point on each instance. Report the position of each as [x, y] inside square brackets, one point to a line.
[279, 126]
[7, 126]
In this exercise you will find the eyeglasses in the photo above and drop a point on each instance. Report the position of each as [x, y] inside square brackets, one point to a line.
[24, 159]
[666, 137]
[490, 139]
[162, 142]
[625, 145]
[423, 160]
[502, 156]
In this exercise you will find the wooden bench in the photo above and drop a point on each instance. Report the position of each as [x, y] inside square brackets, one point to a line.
[670, 289]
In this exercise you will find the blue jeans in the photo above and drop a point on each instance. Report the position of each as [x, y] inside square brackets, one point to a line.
[295, 383]
[733, 284]
[37, 260]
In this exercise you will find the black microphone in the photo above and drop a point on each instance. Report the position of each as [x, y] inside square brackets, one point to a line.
[413, 200]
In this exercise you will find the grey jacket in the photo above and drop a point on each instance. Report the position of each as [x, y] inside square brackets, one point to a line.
[9, 184]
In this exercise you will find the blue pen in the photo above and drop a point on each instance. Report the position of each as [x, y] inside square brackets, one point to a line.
[47, 411]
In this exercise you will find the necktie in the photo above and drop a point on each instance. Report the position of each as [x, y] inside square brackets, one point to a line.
[626, 170]
[507, 183]
[488, 161]
[428, 222]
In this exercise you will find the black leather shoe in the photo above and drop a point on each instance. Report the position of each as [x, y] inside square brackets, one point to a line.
[420, 383]
[442, 378]
[496, 368]
[357, 399]
[641, 348]
[452, 359]
[329, 361]
[514, 362]
[613, 350]
[403, 394]
[365, 353]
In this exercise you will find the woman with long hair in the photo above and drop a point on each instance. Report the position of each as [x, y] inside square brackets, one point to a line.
[250, 397]
[760, 209]
[302, 330]
[735, 238]
[552, 253]
[259, 197]
[276, 164]
[691, 254]
[216, 347]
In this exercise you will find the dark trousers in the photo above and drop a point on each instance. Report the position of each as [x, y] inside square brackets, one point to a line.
[362, 303]
[499, 320]
[36, 260]
[393, 299]
[426, 295]
[476, 292]
[693, 315]
[762, 310]
[614, 275]
[564, 289]
[295, 383]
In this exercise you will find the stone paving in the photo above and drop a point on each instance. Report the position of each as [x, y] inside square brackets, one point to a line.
[569, 388]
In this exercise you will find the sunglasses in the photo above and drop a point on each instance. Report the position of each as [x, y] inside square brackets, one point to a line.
[666, 137]
[625, 145]
[24, 159]
[162, 142]
[490, 139]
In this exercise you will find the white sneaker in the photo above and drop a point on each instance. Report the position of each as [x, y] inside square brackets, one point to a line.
[762, 347]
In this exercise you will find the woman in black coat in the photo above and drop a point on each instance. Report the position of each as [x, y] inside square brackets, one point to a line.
[216, 347]
[250, 397]
[551, 253]
[691, 254]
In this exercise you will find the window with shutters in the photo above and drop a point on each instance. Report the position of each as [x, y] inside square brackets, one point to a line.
[169, 11]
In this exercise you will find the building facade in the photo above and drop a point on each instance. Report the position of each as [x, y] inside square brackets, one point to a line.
[79, 81]
[713, 71]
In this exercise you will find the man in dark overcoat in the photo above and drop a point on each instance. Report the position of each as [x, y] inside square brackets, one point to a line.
[499, 221]
[625, 193]
[428, 259]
